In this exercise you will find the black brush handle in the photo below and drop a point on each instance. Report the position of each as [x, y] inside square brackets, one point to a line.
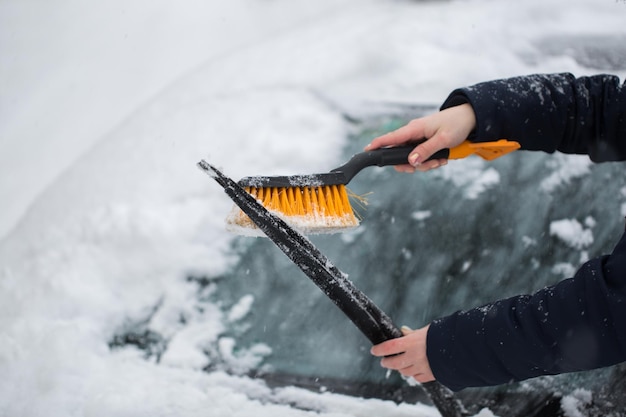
[398, 155]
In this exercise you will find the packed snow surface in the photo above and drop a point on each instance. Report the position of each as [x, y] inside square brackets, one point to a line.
[106, 107]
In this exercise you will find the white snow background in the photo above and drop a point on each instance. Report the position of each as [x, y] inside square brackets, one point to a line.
[105, 107]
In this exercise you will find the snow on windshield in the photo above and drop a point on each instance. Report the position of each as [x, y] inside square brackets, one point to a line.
[105, 110]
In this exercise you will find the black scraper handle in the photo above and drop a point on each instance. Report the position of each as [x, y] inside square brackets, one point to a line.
[362, 311]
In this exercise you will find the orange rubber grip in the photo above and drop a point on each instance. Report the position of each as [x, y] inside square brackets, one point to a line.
[486, 150]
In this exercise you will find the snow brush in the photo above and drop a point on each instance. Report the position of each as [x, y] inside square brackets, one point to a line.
[367, 316]
[319, 203]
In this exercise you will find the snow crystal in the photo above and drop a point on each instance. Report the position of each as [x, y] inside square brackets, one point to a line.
[486, 180]
[528, 241]
[572, 233]
[421, 215]
[241, 309]
[573, 405]
[584, 256]
[241, 361]
[564, 269]
[470, 175]
[186, 348]
[565, 169]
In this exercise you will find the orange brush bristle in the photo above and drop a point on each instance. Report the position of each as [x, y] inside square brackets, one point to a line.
[310, 209]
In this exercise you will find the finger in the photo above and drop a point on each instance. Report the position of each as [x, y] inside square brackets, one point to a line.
[411, 371]
[426, 149]
[388, 348]
[424, 377]
[397, 363]
[406, 168]
[432, 164]
[416, 371]
[426, 166]
[399, 136]
[411, 131]
[419, 373]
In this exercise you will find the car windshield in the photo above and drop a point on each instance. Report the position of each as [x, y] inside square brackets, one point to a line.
[429, 244]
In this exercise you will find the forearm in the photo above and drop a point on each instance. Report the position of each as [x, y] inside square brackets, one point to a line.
[575, 325]
[555, 112]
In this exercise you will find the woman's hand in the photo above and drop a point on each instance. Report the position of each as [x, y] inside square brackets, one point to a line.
[409, 354]
[445, 129]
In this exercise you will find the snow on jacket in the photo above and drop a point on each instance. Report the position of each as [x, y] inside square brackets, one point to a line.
[579, 323]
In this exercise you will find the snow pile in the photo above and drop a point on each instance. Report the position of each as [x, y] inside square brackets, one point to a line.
[573, 405]
[485, 412]
[572, 233]
[566, 168]
[472, 175]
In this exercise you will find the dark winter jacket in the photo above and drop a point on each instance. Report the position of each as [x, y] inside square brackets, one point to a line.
[580, 323]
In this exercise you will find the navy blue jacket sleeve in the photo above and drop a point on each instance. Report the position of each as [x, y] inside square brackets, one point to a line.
[579, 323]
[553, 112]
